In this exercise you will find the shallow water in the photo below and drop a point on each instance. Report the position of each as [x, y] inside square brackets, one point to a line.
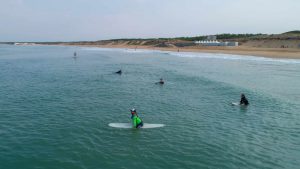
[55, 110]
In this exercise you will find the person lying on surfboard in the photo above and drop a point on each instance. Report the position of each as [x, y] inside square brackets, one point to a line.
[119, 72]
[244, 100]
[161, 81]
[136, 120]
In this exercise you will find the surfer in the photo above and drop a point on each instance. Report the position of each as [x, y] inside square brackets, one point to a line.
[75, 56]
[161, 81]
[244, 100]
[136, 120]
[119, 72]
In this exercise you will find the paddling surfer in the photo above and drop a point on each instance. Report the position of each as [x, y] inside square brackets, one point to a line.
[244, 100]
[119, 72]
[161, 81]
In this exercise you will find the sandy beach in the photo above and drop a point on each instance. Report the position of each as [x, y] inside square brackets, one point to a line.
[289, 53]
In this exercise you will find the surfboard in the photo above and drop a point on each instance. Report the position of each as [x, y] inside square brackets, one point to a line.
[235, 104]
[238, 104]
[129, 125]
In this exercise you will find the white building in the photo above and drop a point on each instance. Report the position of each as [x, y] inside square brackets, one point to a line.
[211, 40]
[216, 43]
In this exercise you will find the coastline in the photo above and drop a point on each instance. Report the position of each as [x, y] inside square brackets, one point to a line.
[277, 53]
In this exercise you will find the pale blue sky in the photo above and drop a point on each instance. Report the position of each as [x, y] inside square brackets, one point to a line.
[72, 20]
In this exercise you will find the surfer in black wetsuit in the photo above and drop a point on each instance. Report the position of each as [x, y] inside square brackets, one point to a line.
[161, 81]
[75, 56]
[244, 100]
[119, 72]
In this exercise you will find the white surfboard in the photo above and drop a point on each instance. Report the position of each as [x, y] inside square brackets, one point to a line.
[238, 104]
[129, 125]
[235, 104]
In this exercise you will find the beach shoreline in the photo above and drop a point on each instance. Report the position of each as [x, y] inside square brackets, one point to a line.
[277, 53]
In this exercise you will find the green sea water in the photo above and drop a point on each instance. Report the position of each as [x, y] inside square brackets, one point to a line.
[55, 110]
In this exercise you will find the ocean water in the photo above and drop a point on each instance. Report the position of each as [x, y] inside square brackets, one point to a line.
[55, 110]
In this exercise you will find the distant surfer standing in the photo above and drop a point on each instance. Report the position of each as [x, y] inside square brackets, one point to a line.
[161, 81]
[244, 100]
[136, 120]
[75, 55]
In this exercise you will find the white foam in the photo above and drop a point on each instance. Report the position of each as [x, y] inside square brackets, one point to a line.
[233, 57]
[127, 50]
[201, 55]
[102, 49]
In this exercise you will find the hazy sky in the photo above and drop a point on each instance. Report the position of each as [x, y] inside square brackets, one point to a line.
[71, 20]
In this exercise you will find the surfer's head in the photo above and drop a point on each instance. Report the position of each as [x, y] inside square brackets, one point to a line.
[243, 95]
[133, 111]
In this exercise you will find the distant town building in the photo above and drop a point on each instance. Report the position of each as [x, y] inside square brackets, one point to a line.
[212, 41]
[216, 43]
